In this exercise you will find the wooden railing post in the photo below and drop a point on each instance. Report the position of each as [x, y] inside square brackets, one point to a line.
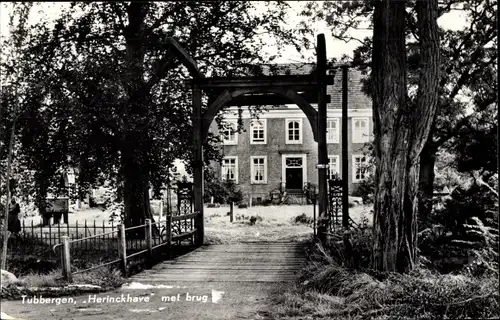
[169, 235]
[149, 241]
[66, 261]
[122, 249]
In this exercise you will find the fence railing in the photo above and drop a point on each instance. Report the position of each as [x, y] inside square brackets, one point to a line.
[168, 234]
[52, 234]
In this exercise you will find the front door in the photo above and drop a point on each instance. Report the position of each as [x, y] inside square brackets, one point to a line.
[293, 178]
[294, 173]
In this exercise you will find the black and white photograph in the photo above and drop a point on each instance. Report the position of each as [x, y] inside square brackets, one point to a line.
[263, 160]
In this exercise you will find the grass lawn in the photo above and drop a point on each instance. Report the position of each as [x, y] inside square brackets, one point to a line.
[276, 223]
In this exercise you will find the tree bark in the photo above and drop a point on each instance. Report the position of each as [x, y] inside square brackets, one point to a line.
[135, 189]
[3, 261]
[135, 142]
[426, 182]
[401, 130]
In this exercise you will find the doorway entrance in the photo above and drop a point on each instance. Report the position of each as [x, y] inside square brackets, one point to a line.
[294, 172]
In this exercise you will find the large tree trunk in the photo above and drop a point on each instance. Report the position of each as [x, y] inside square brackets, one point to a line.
[135, 144]
[135, 189]
[5, 232]
[426, 183]
[400, 129]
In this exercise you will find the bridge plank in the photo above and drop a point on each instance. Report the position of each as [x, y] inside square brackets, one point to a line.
[247, 262]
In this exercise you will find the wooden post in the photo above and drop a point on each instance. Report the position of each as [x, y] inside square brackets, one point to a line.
[345, 160]
[322, 146]
[249, 200]
[161, 209]
[314, 215]
[66, 262]
[149, 241]
[122, 249]
[231, 204]
[169, 200]
[198, 163]
[169, 235]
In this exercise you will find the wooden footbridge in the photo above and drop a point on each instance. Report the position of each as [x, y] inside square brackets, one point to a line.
[244, 262]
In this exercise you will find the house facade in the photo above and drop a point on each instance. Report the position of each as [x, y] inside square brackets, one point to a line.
[277, 150]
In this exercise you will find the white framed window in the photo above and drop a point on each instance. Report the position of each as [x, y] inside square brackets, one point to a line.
[229, 134]
[293, 131]
[258, 131]
[360, 131]
[258, 169]
[334, 166]
[332, 130]
[360, 170]
[230, 169]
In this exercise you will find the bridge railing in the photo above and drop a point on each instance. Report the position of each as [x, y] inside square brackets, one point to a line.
[156, 234]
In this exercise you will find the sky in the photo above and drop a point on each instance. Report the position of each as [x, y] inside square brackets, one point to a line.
[335, 48]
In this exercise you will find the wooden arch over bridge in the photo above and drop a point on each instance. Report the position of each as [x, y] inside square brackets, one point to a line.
[301, 90]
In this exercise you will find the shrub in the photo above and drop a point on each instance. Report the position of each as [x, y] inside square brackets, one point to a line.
[365, 189]
[215, 189]
[303, 218]
[464, 204]
[222, 191]
[361, 244]
[458, 233]
[339, 293]
[254, 219]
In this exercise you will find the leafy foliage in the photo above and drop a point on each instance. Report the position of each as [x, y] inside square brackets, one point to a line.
[468, 81]
[466, 204]
[303, 218]
[221, 191]
[366, 188]
[111, 102]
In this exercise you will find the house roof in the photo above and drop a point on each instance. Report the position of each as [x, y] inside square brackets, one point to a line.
[357, 98]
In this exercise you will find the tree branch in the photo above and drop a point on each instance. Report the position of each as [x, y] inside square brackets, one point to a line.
[466, 74]
[459, 50]
[478, 180]
[428, 86]
[462, 122]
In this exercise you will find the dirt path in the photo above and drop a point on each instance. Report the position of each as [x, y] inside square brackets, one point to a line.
[213, 282]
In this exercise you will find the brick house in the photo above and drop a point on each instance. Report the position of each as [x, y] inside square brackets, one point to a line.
[277, 151]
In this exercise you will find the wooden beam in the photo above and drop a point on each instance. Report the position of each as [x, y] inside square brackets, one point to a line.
[345, 145]
[299, 82]
[310, 112]
[185, 58]
[216, 106]
[197, 118]
[270, 99]
[322, 146]
[228, 96]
